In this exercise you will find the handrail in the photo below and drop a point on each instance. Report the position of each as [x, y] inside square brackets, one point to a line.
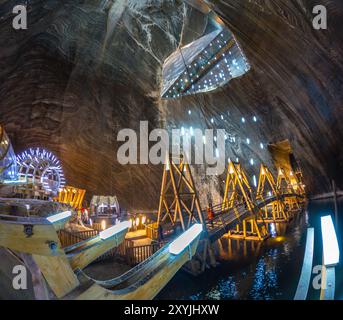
[229, 215]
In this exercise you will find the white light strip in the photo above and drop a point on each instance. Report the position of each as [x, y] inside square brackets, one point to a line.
[178, 245]
[330, 243]
[306, 270]
[59, 216]
[112, 231]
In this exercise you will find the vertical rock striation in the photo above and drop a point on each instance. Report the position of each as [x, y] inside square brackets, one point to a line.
[83, 70]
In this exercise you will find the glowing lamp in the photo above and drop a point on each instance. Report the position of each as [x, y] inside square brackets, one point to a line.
[183, 241]
[143, 219]
[112, 231]
[103, 224]
[59, 216]
[254, 181]
[137, 222]
[330, 243]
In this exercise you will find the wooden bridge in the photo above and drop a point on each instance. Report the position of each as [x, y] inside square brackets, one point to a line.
[225, 220]
[243, 213]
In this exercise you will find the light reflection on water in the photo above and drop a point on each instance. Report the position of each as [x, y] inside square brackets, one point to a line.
[248, 270]
[226, 289]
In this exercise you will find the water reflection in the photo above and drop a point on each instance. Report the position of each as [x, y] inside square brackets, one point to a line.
[265, 279]
[225, 290]
[248, 269]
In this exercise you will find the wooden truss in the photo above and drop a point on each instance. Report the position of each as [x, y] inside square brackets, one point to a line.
[284, 185]
[72, 196]
[267, 187]
[179, 202]
[179, 199]
[238, 195]
[300, 184]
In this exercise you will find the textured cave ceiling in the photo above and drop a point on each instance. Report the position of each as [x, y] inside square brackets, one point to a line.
[85, 69]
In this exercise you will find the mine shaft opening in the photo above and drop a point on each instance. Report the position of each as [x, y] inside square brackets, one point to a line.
[205, 64]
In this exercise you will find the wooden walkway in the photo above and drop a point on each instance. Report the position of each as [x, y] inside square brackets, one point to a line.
[225, 220]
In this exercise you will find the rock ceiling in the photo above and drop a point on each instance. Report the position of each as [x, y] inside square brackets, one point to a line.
[85, 69]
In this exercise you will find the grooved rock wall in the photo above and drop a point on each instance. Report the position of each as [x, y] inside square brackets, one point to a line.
[83, 70]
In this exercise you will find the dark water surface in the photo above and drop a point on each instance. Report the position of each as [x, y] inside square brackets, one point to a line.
[251, 270]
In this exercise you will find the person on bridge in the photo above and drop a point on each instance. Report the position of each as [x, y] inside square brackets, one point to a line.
[210, 214]
[160, 233]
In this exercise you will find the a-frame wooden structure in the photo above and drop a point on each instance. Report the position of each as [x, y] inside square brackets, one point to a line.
[179, 200]
[284, 185]
[275, 211]
[238, 195]
[179, 203]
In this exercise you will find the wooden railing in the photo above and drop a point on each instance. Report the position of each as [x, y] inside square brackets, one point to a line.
[137, 254]
[86, 234]
[152, 231]
[97, 226]
[68, 238]
[132, 254]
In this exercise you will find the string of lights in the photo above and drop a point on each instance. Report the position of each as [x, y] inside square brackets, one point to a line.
[40, 166]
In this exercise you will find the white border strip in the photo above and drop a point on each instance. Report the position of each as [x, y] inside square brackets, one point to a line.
[59, 216]
[330, 243]
[306, 271]
[114, 230]
[183, 241]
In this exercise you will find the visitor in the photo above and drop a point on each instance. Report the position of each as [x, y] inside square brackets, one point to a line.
[113, 220]
[160, 233]
[210, 214]
[86, 216]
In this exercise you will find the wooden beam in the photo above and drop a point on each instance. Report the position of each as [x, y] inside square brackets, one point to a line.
[58, 274]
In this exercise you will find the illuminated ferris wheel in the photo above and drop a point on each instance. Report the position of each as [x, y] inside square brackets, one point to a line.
[41, 167]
